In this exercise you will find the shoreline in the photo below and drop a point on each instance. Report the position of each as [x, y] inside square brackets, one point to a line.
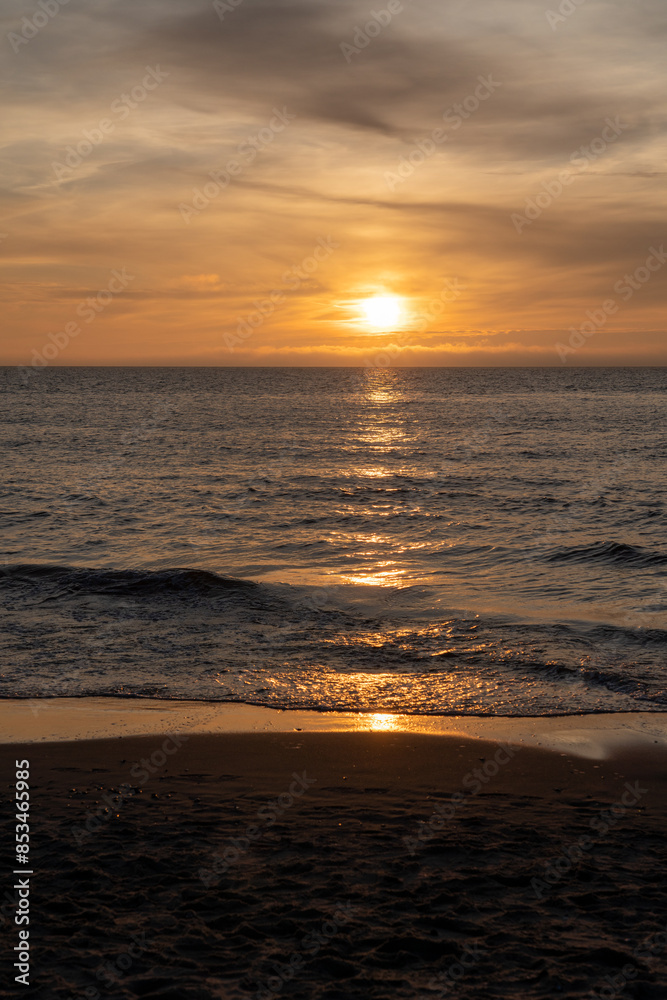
[56, 720]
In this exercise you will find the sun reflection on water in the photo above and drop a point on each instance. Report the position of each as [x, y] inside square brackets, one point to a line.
[372, 471]
[380, 429]
[378, 577]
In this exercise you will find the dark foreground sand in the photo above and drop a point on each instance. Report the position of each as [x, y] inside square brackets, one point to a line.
[524, 884]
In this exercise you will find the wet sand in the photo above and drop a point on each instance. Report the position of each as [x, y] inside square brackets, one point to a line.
[349, 864]
[53, 719]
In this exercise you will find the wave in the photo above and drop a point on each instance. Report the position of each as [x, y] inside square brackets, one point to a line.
[110, 581]
[613, 553]
[197, 635]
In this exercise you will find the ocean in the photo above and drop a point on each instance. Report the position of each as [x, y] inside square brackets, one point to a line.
[409, 540]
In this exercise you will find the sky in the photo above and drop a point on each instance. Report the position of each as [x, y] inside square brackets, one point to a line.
[299, 182]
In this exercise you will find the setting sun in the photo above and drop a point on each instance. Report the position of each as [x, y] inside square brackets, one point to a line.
[383, 311]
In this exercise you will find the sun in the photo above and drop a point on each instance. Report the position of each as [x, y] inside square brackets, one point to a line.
[383, 312]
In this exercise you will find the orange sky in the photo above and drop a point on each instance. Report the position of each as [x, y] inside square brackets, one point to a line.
[199, 183]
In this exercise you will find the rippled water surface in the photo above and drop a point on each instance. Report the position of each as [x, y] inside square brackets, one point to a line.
[423, 540]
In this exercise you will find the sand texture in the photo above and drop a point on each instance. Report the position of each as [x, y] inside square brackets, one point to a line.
[292, 865]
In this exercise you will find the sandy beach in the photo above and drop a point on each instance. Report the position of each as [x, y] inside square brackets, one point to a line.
[310, 864]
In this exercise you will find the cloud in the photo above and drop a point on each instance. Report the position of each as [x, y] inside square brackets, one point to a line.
[355, 122]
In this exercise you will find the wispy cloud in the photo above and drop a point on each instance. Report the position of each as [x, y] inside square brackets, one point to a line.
[353, 121]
